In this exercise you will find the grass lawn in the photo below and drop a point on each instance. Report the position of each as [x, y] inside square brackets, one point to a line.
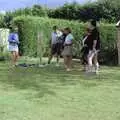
[50, 93]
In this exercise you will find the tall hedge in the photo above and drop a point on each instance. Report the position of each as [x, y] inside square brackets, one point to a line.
[30, 26]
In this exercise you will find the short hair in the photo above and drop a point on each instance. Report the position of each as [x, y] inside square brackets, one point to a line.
[13, 28]
[55, 27]
[68, 29]
[93, 22]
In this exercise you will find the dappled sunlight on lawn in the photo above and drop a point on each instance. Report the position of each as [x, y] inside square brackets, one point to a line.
[54, 94]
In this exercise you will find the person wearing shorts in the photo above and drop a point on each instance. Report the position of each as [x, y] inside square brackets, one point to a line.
[85, 50]
[93, 43]
[13, 40]
[67, 51]
[55, 44]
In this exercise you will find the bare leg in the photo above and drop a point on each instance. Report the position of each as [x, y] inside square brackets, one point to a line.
[13, 58]
[65, 61]
[69, 62]
[90, 61]
[50, 58]
[58, 58]
[96, 64]
[16, 57]
[85, 64]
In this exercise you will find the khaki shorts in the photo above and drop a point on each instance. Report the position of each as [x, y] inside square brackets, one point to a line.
[56, 49]
[67, 51]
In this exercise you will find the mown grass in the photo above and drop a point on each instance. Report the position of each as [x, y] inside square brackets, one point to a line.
[50, 93]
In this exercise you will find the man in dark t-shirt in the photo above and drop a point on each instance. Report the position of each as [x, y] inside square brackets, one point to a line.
[94, 36]
[93, 44]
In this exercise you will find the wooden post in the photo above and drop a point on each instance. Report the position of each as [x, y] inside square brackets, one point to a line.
[4, 33]
[39, 46]
[118, 41]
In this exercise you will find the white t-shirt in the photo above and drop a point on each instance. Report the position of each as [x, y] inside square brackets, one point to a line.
[55, 36]
[69, 39]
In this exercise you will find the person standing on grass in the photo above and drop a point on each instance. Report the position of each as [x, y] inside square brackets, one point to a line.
[13, 40]
[62, 39]
[85, 49]
[67, 51]
[55, 44]
[93, 43]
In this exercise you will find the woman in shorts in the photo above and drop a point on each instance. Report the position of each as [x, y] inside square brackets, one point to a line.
[67, 51]
[13, 40]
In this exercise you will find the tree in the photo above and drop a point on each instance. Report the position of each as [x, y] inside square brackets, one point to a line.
[102, 9]
[7, 21]
[111, 9]
[37, 10]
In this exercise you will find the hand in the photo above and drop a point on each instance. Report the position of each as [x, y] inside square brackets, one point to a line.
[85, 45]
[94, 49]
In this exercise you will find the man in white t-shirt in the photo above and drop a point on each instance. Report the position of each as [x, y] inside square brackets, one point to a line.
[55, 44]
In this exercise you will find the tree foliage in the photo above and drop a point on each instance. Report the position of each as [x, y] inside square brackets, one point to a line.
[102, 9]
[35, 10]
[38, 10]
[106, 10]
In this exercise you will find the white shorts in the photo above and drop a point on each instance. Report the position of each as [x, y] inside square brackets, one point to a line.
[93, 53]
[13, 48]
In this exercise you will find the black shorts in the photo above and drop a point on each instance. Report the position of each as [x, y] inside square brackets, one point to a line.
[85, 52]
[56, 49]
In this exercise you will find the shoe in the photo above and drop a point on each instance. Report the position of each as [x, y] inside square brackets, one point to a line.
[96, 72]
[57, 65]
[68, 70]
[48, 62]
[65, 66]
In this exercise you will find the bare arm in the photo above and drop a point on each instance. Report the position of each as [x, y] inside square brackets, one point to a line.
[94, 44]
[95, 39]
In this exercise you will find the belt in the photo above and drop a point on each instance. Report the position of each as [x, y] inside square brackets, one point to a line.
[68, 44]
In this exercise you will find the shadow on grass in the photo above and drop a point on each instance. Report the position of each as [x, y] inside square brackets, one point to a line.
[46, 80]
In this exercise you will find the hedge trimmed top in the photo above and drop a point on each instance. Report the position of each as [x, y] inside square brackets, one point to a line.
[30, 26]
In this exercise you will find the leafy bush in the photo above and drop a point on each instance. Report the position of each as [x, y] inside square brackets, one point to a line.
[1, 21]
[99, 9]
[35, 10]
[30, 26]
[106, 10]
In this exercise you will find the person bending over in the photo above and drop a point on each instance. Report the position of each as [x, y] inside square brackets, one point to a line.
[93, 43]
[85, 49]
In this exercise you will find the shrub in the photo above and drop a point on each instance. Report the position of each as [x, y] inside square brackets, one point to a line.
[30, 26]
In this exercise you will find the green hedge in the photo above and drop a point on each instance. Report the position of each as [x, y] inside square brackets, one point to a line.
[29, 26]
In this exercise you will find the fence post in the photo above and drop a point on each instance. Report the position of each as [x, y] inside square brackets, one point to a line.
[4, 33]
[118, 41]
[39, 46]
